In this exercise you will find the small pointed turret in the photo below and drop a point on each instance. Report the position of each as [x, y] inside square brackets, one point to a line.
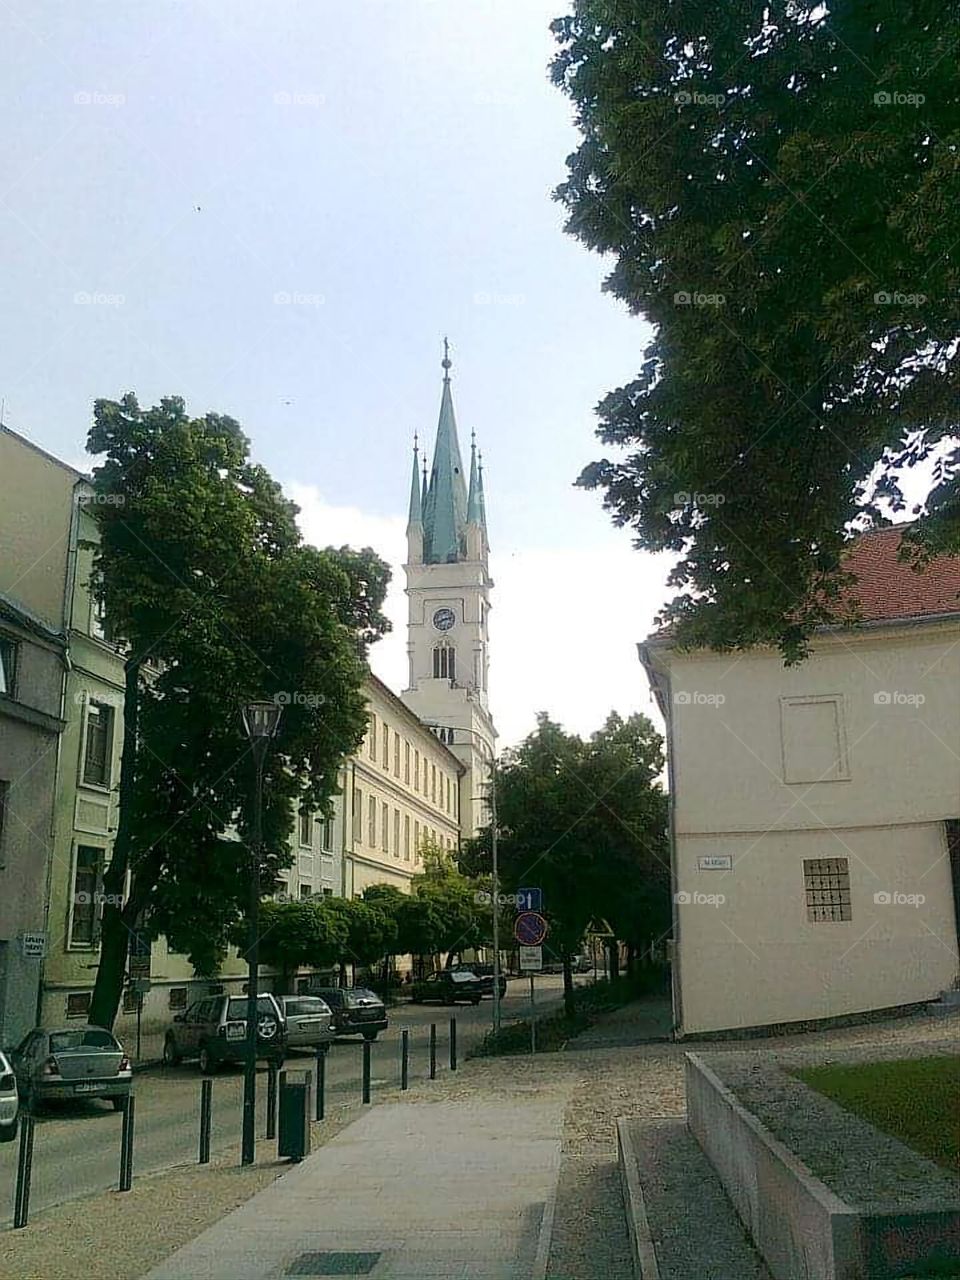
[473, 497]
[416, 505]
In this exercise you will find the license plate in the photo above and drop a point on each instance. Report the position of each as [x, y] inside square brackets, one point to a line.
[236, 1031]
[88, 1088]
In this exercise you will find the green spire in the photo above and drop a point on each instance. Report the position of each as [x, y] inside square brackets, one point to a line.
[480, 500]
[445, 508]
[416, 507]
[473, 498]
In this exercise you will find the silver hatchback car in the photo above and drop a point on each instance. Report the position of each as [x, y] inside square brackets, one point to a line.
[308, 1021]
[9, 1101]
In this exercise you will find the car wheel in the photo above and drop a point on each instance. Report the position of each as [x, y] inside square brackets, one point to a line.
[9, 1131]
[208, 1064]
[172, 1056]
[32, 1103]
[370, 1035]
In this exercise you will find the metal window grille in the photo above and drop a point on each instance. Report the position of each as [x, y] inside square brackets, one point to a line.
[826, 883]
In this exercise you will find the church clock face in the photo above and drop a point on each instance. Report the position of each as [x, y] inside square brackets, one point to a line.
[444, 619]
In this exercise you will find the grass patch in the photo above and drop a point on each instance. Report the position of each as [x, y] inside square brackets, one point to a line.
[555, 1029]
[914, 1099]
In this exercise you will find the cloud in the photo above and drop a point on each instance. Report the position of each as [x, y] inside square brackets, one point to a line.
[563, 628]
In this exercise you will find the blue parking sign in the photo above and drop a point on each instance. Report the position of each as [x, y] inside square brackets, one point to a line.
[529, 899]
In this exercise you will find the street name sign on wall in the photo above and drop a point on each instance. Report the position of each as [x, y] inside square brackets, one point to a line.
[716, 862]
[530, 929]
[529, 899]
[531, 959]
[33, 945]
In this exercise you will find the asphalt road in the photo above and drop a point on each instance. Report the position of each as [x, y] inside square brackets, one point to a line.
[77, 1145]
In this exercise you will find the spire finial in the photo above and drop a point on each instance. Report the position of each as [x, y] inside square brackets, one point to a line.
[416, 442]
[446, 362]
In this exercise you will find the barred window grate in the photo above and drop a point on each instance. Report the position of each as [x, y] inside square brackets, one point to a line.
[826, 882]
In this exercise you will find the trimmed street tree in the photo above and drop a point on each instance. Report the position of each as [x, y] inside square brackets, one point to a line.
[586, 820]
[776, 183]
[216, 602]
[299, 933]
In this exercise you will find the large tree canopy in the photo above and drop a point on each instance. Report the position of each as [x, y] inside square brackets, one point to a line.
[206, 583]
[777, 183]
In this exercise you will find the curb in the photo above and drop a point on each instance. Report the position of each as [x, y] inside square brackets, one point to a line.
[645, 1265]
[545, 1235]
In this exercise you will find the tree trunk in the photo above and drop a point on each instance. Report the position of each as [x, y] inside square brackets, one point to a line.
[118, 920]
[568, 1006]
[613, 949]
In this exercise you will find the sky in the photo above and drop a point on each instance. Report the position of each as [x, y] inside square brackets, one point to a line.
[277, 211]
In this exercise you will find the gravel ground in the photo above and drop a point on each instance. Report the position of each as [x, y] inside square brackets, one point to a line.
[120, 1237]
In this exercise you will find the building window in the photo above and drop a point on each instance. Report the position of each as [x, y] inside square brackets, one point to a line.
[406, 762]
[372, 822]
[826, 882]
[396, 755]
[373, 737]
[85, 907]
[327, 893]
[385, 755]
[4, 798]
[178, 997]
[444, 662]
[326, 839]
[406, 837]
[416, 841]
[357, 814]
[385, 828]
[433, 783]
[130, 1000]
[8, 666]
[396, 833]
[426, 776]
[78, 1004]
[306, 828]
[306, 891]
[416, 770]
[96, 753]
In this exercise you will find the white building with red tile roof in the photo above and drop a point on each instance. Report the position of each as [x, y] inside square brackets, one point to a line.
[816, 808]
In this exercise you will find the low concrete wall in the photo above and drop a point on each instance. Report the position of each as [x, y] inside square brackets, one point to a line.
[802, 1228]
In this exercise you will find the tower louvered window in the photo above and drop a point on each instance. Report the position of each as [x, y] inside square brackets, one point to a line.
[444, 663]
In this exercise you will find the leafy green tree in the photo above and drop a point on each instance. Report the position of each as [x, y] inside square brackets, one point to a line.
[294, 934]
[587, 821]
[371, 928]
[216, 602]
[774, 182]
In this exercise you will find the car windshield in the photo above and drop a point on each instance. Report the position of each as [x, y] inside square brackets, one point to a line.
[237, 1007]
[463, 975]
[360, 995]
[71, 1041]
[305, 1005]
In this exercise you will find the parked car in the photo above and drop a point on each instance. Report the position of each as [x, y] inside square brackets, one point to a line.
[308, 1021]
[71, 1062]
[214, 1031]
[9, 1101]
[356, 1011]
[448, 986]
[485, 973]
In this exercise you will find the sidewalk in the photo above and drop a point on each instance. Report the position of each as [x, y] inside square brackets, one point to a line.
[459, 1190]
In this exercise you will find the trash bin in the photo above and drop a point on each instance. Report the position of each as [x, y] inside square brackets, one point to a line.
[293, 1127]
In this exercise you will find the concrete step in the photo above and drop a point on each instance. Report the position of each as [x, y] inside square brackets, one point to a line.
[681, 1224]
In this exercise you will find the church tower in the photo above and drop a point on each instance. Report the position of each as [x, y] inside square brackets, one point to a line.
[448, 590]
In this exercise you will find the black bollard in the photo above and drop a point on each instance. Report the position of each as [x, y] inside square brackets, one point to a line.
[366, 1070]
[271, 1100]
[206, 1119]
[404, 1059]
[321, 1079]
[126, 1144]
[21, 1209]
[433, 1051]
[453, 1044]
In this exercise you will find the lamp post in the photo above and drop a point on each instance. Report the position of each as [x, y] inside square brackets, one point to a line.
[261, 720]
[494, 866]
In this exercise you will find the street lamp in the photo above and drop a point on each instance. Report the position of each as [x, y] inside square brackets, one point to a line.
[261, 721]
[494, 867]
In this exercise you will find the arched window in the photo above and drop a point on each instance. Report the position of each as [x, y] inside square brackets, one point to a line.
[444, 662]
